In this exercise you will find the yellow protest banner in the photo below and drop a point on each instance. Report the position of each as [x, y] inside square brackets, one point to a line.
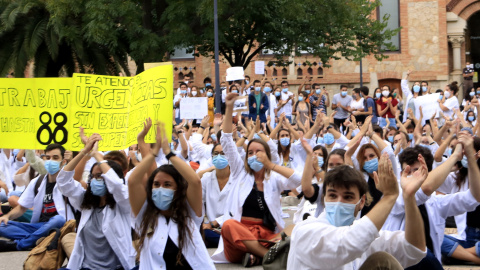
[37, 112]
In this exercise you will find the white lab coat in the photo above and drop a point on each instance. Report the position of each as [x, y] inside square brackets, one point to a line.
[29, 200]
[316, 244]
[202, 151]
[214, 199]
[409, 95]
[450, 187]
[5, 169]
[439, 207]
[242, 184]
[194, 251]
[116, 220]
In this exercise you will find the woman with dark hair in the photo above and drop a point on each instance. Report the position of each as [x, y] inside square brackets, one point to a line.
[104, 239]
[215, 191]
[356, 105]
[449, 102]
[387, 108]
[311, 184]
[254, 206]
[168, 211]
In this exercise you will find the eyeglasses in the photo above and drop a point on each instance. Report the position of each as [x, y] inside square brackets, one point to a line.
[96, 176]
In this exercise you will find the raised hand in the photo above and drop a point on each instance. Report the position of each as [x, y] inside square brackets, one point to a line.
[411, 183]
[68, 155]
[385, 179]
[205, 121]
[306, 145]
[146, 127]
[91, 142]
[83, 138]
[218, 120]
[230, 99]
[263, 158]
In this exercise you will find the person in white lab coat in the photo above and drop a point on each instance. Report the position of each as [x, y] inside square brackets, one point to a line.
[104, 239]
[335, 240]
[254, 207]
[215, 191]
[168, 211]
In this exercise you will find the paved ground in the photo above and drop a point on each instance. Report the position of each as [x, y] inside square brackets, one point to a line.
[14, 260]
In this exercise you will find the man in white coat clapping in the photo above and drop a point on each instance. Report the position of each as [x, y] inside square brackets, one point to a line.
[335, 240]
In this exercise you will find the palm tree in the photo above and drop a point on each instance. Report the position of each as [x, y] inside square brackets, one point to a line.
[30, 33]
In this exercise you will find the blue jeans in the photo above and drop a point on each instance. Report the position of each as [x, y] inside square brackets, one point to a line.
[3, 196]
[212, 238]
[27, 234]
[429, 262]
[382, 122]
[450, 243]
[289, 118]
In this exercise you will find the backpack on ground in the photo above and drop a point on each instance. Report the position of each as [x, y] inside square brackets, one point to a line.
[49, 254]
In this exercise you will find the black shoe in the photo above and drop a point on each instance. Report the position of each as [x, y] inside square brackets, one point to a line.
[6, 246]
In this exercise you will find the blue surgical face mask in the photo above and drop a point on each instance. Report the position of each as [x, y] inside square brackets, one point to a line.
[220, 162]
[320, 140]
[320, 162]
[15, 152]
[162, 197]
[214, 137]
[235, 91]
[183, 92]
[344, 93]
[98, 188]
[478, 92]
[258, 89]
[277, 94]
[449, 151]
[285, 141]
[209, 94]
[328, 138]
[371, 165]
[52, 166]
[410, 136]
[424, 88]
[138, 156]
[340, 214]
[247, 81]
[471, 118]
[390, 139]
[378, 95]
[307, 91]
[472, 94]
[172, 146]
[267, 89]
[254, 163]
[256, 136]
[318, 91]
[465, 162]
[416, 88]
[440, 97]
[300, 98]
[285, 90]
[208, 84]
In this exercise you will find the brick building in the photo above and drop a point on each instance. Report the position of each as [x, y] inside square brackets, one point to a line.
[436, 39]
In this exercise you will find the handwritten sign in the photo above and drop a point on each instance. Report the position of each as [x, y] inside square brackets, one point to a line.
[240, 105]
[429, 104]
[260, 67]
[193, 108]
[37, 112]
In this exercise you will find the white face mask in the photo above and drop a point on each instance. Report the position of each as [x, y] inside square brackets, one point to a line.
[385, 93]
[447, 94]
[194, 93]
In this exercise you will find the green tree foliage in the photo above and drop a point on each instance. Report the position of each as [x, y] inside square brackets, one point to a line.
[68, 35]
[328, 29]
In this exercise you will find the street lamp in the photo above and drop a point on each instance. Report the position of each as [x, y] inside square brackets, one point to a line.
[218, 91]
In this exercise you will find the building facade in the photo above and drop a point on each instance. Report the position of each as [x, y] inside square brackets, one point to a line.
[436, 39]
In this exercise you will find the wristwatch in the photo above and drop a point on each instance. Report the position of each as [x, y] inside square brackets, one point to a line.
[171, 154]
